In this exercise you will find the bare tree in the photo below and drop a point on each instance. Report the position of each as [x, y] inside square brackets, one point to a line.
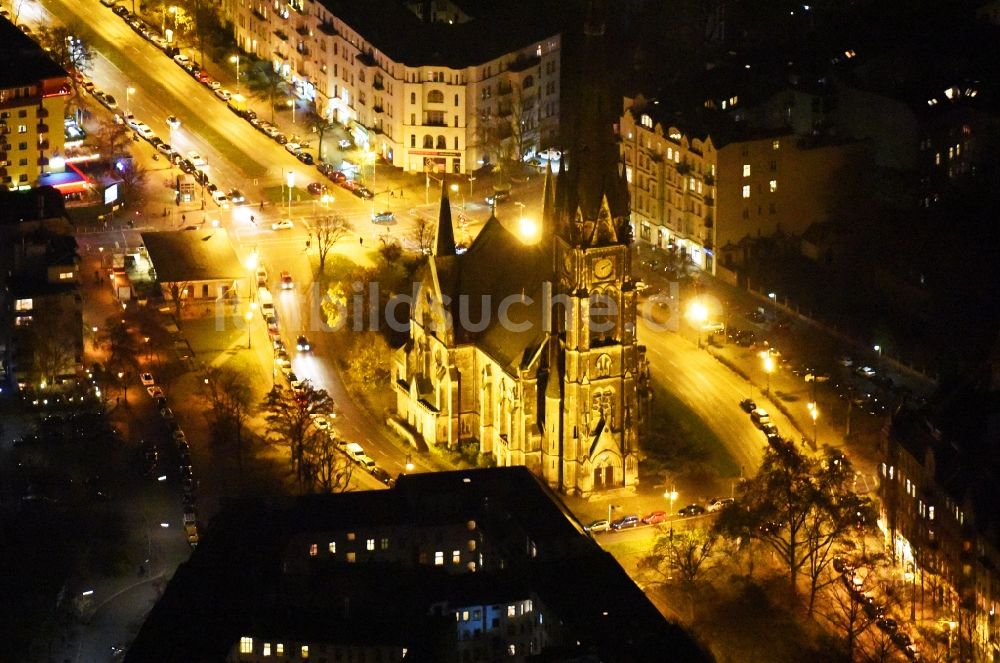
[320, 126]
[368, 362]
[688, 555]
[66, 48]
[328, 231]
[327, 468]
[422, 234]
[230, 400]
[266, 84]
[113, 138]
[289, 420]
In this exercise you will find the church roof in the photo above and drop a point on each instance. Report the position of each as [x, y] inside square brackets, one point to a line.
[497, 272]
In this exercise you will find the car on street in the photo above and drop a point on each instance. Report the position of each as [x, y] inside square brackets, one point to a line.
[497, 198]
[261, 275]
[769, 429]
[173, 122]
[344, 144]
[166, 150]
[865, 371]
[109, 101]
[286, 281]
[292, 147]
[179, 436]
[336, 176]
[383, 476]
[281, 358]
[154, 392]
[121, 11]
[320, 421]
[748, 405]
[691, 510]
[598, 526]
[625, 522]
[384, 218]
[283, 224]
[760, 417]
[182, 59]
[845, 361]
[901, 638]
[302, 344]
[167, 413]
[236, 197]
[196, 159]
[147, 379]
[654, 517]
[363, 192]
[225, 95]
[305, 157]
[888, 625]
[316, 188]
[718, 504]
[711, 328]
[220, 199]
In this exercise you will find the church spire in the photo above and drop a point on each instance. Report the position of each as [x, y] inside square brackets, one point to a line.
[594, 177]
[444, 242]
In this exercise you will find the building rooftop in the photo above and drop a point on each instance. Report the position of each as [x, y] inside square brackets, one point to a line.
[193, 255]
[24, 61]
[495, 29]
[239, 581]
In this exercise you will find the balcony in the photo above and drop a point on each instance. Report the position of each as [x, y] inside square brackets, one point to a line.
[378, 109]
[683, 168]
[710, 180]
[43, 161]
[327, 29]
[43, 145]
[302, 30]
[42, 112]
[42, 128]
[709, 201]
[504, 89]
[281, 35]
[504, 111]
[367, 59]
[303, 49]
[259, 15]
[435, 123]
[377, 84]
[4, 130]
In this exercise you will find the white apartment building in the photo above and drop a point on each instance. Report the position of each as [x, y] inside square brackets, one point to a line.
[433, 95]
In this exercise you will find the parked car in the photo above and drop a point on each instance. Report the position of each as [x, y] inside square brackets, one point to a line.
[305, 157]
[154, 392]
[718, 504]
[625, 522]
[147, 379]
[220, 199]
[691, 510]
[383, 476]
[748, 405]
[865, 371]
[760, 417]
[196, 159]
[654, 517]
[598, 526]
[316, 188]
[225, 95]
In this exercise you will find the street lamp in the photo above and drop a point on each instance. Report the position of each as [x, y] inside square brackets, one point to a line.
[236, 59]
[121, 376]
[129, 91]
[455, 188]
[291, 104]
[814, 413]
[774, 303]
[249, 316]
[698, 315]
[409, 463]
[290, 180]
[878, 351]
[768, 368]
[672, 496]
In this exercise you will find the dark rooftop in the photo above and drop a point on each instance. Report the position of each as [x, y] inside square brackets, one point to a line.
[237, 582]
[193, 255]
[495, 29]
[24, 61]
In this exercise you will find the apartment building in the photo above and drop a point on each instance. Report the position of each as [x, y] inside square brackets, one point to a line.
[33, 93]
[429, 87]
[938, 495]
[700, 187]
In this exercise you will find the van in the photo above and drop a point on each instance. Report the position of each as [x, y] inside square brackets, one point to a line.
[760, 417]
[354, 450]
[266, 301]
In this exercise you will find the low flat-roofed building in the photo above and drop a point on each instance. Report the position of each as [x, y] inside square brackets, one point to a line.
[196, 269]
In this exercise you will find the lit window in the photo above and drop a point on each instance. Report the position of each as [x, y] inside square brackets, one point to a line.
[746, 170]
[439, 558]
[646, 121]
[774, 185]
[370, 544]
[305, 652]
[746, 190]
[333, 547]
[313, 549]
[930, 513]
[958, 149]
[775, 144]
[951, 152]
[350, 536]
[23, 305]
[670, 153]
[22, 129]
[691, 183]
[456, 557]
[937, 158]
[351, 557]
[280, 649]
[511, 611]
[246, 645]
[65, 276]
[465, 615]
[699, 187]
[267, 649]
[511, 650]
[384, 543]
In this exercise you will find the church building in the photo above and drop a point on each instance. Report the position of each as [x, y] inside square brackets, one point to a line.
[528, 349]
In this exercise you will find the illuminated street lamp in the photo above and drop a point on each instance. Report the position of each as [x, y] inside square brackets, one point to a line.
[814, 413]
[528, 230]
[768, 368]
[698, 314]
[291, 104]
[122, 377]
[236, 59]
[672, 496]
[409, 463]
[455, 188]
[129, 91]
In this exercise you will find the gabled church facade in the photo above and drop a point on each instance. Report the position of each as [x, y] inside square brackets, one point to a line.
[529, 350]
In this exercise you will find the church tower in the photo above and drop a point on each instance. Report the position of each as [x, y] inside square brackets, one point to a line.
[602, 373]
